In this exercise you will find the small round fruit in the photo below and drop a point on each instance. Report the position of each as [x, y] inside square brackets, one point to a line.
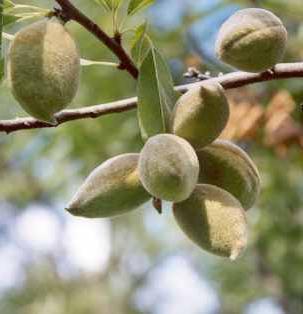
[229, 167]
[168, 167]
[252, 40]
[214, 220]
[44, 68]
[111, 189]
[201, 114]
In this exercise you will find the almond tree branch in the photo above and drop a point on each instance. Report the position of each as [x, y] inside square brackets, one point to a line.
[70, 12]
[228, 81]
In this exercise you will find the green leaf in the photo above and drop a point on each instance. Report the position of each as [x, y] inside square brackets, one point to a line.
[137, 5]
[9, 19]
[1, 69]
[116, 4]
[7, 4]
[1, 51]
[86, 62]
[156, 95]
[140, 44]
[109, 5]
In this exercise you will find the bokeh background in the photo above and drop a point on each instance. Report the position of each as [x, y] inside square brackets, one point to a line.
[53, 263]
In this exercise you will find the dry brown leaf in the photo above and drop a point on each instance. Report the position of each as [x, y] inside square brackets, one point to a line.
[245, 119]
[281, 101]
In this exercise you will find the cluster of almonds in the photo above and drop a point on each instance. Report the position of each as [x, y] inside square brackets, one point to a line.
[211, 182]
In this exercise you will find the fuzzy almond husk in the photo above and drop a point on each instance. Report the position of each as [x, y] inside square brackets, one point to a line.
[214, 220]
[252, 40]
[201, 114]
[44, 68]
[111, 189]
[168, 167]
[229, 167]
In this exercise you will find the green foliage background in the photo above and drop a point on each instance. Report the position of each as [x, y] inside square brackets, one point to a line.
[45, 167]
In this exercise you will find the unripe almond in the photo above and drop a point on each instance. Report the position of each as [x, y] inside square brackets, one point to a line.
[44, 68]
[214, 220]
[111, 189]
[201, 114]
[229, 167]
[252, 40]
[168, 167]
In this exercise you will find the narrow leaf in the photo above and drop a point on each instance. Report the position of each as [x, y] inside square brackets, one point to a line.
[7, 4]
[9, 19]
[105, 4]
[140, 45]
[116, 4]
[156, 95]
[1, 69]
[109, 5]
[1, 51]
[86, 62]
[137, 5]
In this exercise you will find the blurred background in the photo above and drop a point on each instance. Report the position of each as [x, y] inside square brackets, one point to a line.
[53, 263]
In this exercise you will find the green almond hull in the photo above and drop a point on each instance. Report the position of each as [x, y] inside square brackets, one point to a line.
[111, 189]
[44, 68]
[201, 114]
[227, 166]
[214, 220]
[168, 167]
[252, 40]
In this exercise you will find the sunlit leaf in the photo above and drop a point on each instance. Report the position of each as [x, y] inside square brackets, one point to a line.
[105, 4]
[109, 5]
[116, 3]
[7, 4]
[137, 5]
[156, 95]
[85, 62]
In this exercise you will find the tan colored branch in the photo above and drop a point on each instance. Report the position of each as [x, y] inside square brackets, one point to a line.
[228, 81]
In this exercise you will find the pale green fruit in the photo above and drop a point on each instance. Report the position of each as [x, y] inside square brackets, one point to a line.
[227, 166]
[201, 114]
[168, 167]
[252, 40]
[111, 189]
[44, 68]
[214, 220]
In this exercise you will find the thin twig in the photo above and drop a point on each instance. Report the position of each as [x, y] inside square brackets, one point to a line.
[70, 12]
[228, 81]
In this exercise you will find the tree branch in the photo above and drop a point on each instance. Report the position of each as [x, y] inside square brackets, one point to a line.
[70, 12]
[228, 81]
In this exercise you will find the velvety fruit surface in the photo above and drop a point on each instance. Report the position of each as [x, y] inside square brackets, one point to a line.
[214, 220]
[168, 167]
[252, 40]
[111, 189]
[44, 68]
[201, 114]
[228, 166]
